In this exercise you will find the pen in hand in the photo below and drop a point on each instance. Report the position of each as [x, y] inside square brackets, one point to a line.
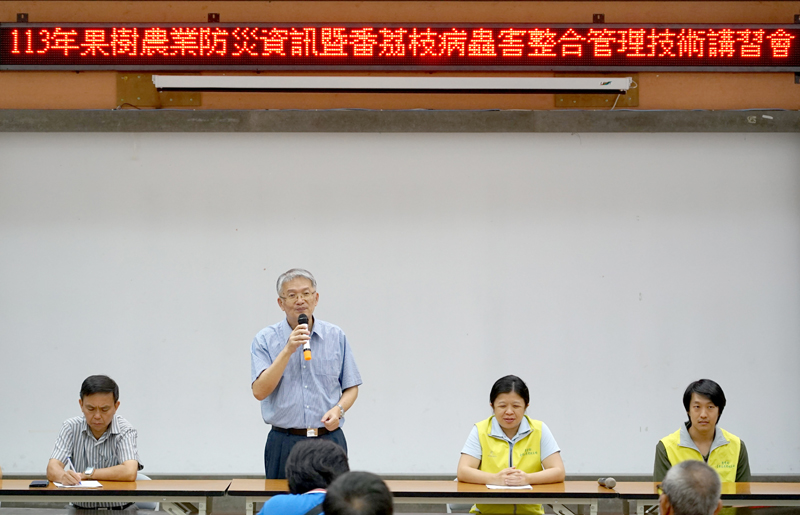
[69, 467]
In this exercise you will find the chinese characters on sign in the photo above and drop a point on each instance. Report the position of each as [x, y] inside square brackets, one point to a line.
[393, 47]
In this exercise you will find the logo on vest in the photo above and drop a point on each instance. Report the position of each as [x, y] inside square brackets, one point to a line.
[529, 452]
[725, 464]
[492, 454]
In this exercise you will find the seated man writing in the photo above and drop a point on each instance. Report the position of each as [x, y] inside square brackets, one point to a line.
[98, 445]
[311, 466]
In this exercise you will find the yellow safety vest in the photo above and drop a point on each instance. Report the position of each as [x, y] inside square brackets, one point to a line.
[525, 455]
[724, 459]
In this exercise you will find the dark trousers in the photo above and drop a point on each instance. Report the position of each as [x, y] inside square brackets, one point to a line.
[278, 446]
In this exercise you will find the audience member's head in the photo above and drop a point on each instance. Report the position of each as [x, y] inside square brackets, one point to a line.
[314, 463]
[358, 493]
[691, 488]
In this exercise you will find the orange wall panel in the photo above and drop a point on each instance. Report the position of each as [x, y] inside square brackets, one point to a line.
[57, 90]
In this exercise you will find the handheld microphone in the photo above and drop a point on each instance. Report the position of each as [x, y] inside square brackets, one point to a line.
[303, 319]
[608, 482]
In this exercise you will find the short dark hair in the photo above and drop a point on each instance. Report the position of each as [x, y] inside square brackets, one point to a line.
[358, 493]
[692, 488]
[314, 463]
[99, 384]
[706, 388]
[509, 384]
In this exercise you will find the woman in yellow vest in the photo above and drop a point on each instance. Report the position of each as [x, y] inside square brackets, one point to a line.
[510, 449]
[700, 438]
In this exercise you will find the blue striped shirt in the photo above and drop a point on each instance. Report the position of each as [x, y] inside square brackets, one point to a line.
[308, 389]
[115, 446]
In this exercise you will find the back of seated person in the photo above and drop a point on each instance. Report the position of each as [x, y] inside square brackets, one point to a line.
[690, 488]
[358, 493]
[312, 465]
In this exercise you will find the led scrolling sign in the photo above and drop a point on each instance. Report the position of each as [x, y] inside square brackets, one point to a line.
[391, 46]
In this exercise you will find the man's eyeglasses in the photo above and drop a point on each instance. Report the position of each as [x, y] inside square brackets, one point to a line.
[294, 297]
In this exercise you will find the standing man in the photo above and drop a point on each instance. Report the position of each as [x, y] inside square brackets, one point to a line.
[301, 398]
[701, 439]
[98, 445]
[690, 488]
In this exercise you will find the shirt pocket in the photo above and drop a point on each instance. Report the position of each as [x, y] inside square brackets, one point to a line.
[329, 368]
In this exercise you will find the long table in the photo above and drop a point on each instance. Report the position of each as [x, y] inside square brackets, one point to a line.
[639, 494]
[199, 492]
[636, 495]
[582, 493]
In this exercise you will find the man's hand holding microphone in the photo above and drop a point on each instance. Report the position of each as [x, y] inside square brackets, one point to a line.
[300, 337]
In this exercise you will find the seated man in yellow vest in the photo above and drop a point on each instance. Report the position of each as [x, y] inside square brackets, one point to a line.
[700, 439]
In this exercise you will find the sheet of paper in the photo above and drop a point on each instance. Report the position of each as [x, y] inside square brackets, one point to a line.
[502, 487]
[84, 484]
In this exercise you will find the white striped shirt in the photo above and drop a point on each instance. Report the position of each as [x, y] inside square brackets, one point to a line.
[114, 447]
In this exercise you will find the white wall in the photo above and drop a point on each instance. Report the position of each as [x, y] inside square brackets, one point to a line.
[608, 270]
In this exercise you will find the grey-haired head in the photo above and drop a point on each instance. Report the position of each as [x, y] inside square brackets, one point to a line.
[691, 488]
[293, 274]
